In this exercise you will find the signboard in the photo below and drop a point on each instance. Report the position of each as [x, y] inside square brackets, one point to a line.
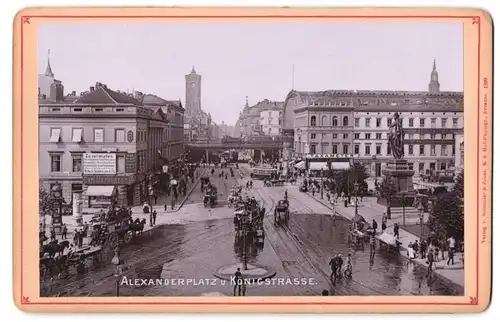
[130, 136]
[165, 168]
[99, 135]
[99, 163]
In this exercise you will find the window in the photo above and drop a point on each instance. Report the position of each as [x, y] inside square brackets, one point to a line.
[346, 136]
[368, 136]
[421, 167]
[389, 149]
[410, 122]
[119, 135]
[410, 149]
[120, 164]
[443, 122]
[313, 148]
[410, 166]
[367, 149]
[356, 122]
[345, 121]
[77, 163]
[421, 149]
[433, 122]
[378, 149]
[334, 121]
[313, 120]
[433, 136]
[334, 149]
[367, 122]
[55, 162]
[345, 149]
[356, 136]
[389, 122]
[453, 149]
[334, 135]
[356, 149]
[55, 135]
[378, 136]
[378, 122]
[99, 135]
[77, 135]
[422, 122]
[455, 122]
[433, 149]
[323, 121]
[443, 165]
[444, 150]
[313, 136]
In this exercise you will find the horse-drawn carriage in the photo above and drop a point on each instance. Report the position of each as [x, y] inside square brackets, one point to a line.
[210, 197]
[359, 232]
[389, 242]
[204, 182]
[281, 212]
[274, 182]
[116, 229]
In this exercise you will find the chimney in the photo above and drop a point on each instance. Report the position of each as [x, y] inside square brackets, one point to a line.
[138, 95]
[56, 92]
[73, 93]
[91, 88]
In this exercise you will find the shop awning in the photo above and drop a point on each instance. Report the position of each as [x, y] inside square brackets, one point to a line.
[55, 136]
[314, 166]
[300, 165]
[77, 135]
[340, 165]
[100, 191]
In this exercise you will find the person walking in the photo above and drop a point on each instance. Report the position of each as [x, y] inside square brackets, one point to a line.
[156, 199]
[52, 234]
[372, 246]
[80, 239]
[374, 226]
[334, 268]
[165, 207]
[76, 237]
[154, 217]
[238, 280]
[396, 230]
[150, 219]
[430, 261]
[64, 232]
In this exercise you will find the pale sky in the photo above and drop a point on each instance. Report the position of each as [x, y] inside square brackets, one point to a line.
[252, 59]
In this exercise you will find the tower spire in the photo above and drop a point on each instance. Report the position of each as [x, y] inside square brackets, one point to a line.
[48, 70]
[434, 83]
[434, 65]
[193, 71]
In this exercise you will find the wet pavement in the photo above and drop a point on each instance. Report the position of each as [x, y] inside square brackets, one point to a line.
[190, 253]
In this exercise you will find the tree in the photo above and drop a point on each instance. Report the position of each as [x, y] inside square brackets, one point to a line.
[458, 188]
[446, 217]
[344, 180]
[46, 205]
[386, 189]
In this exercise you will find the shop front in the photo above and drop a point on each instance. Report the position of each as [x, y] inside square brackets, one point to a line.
[101, 196]
[102, 191]
[315, 163]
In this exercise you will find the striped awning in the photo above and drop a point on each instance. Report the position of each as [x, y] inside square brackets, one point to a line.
[330, 156]
[100, 191]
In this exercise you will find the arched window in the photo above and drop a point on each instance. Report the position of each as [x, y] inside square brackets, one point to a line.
[323, 121]
[313, 120]
[345, 121]
[334, 121]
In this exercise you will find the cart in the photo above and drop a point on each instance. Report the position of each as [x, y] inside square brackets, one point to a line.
[281, 212]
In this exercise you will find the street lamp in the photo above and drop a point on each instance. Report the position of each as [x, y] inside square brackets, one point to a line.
[404, 205]
[321, 188]
[356, 186]
[244, 219]
[118, 269]
[56, 192]
[421, 217]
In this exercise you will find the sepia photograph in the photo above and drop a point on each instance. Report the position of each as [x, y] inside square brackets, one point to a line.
[247, 162]
[255, 158]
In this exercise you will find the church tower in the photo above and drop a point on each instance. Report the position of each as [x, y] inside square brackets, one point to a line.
[193, 93]
[434, 83]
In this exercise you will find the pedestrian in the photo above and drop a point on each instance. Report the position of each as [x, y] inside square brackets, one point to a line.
[423, 247]
[154, 217]
[172, 202]
[75, 237]
[374, 226]
[151, 219]
[238, 281]
[165, 207]
[384, 226]
[52, 234]
[85, 229]
[80, 239]
[333, 267]
[372, 246]
[156, 199]
[396, 230]
[451, 255]
[64, 232]
[416, 247]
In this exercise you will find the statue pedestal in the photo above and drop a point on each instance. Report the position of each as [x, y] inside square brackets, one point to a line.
[401, 175]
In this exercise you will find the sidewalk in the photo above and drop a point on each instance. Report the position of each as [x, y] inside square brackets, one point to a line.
[370, 209]
[137, 212]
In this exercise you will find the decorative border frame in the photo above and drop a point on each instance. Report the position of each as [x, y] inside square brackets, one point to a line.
[474, 299]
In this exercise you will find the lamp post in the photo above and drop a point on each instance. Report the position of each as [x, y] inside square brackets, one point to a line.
[404, 204]
[244, 219]
[56, 192]
[321, 187]
[421, 217]
[356, 186]
[118, 269]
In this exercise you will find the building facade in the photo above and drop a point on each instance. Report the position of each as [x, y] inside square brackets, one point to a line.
[270, 121]
[251, 122]
[104, 143]
[357, 123]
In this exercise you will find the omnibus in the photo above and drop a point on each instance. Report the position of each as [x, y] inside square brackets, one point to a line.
[261, 173]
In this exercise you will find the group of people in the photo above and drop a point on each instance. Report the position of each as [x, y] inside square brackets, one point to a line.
[337, 267]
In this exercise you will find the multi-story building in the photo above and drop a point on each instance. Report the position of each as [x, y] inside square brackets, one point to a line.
[270, 121]
[250, 122]
[104, 143]
[46, 80]
[357, 123]
[226, 130]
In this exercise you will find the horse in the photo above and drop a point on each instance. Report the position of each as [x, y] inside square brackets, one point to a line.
[46, 265]
[54, 248]
[138, 227]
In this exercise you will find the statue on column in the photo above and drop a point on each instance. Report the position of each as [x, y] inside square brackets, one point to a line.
[396, 137]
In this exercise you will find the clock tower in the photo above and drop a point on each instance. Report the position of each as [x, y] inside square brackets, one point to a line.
[193, 93]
